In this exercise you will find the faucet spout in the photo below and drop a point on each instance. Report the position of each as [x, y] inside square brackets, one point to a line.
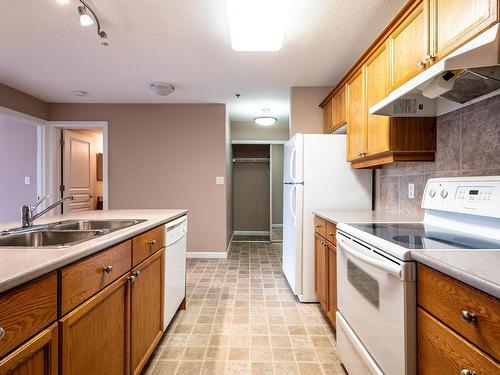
[27, 216]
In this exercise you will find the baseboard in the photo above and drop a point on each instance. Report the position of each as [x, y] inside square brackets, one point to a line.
[207, 254]
[251, 232]
[277, 226]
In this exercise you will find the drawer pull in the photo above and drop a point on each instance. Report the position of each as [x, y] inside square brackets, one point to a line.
[131, 279]
[2, 333]
[152, 242]
[136, 274]
[318, 226]
[331, 234]
[468, 317]
[465, 371]
[108, 269]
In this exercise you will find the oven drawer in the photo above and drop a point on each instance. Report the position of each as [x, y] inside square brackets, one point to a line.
[442, 351]
[450, 301]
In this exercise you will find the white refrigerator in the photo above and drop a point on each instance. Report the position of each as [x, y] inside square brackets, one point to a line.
[316, 176]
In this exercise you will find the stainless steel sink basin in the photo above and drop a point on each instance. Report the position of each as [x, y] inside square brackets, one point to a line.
[110, 225]
[48, 238]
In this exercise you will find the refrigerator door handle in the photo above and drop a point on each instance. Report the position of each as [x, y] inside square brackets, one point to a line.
[292, 211]
[292, 160]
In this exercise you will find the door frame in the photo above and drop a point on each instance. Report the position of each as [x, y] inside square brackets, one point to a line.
[52, 154]
[40, 125]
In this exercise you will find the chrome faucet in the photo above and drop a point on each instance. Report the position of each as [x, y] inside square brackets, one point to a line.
[27, 216]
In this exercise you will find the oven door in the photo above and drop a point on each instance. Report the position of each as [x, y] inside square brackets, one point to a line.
[377, 299]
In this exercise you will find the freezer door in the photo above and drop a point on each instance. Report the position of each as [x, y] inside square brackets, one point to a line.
[292, 235]
[293, 160]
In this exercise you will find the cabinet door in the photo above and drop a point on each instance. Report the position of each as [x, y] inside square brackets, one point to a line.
[94, 336]
[356, 117]
[37, 357]
[321, 271]
[409, 47]
[332, 283]
[377, 88]
[453, 23]
[147, 310]
[327, 117]
[339, 109]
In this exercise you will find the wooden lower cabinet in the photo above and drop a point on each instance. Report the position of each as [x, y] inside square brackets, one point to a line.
[146, 310]
[95, 336]
[321, 271]
[332, 283]
[39, 356]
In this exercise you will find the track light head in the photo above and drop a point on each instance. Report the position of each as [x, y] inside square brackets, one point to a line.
[85, 19]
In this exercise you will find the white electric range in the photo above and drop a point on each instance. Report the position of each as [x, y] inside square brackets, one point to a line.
[376, 276]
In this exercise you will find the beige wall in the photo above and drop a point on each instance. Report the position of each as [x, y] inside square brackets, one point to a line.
[165, 156]
[305, 115]
[277, 183]
[21, 102]
[248, 130]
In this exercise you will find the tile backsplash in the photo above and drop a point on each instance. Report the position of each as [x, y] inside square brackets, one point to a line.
[468, 144]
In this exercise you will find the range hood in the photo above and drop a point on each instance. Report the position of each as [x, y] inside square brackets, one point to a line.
[465, 76]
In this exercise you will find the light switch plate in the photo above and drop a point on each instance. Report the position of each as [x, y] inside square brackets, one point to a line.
[411, 191]
[27, 180]
[219, 180]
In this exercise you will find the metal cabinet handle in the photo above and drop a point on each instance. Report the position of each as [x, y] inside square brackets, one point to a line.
[131, 279]
[420, 64]
[108, 269]
[151, 242]
[429, 58]
[331, 233]
[318, 226]
[2, 333]
[468, 316]
[136, 274]
[465, 371]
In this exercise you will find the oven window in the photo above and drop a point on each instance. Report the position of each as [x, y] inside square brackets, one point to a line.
[364, 283]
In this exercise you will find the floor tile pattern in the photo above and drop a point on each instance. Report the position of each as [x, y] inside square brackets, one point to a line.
[242, 318]
[251, 238]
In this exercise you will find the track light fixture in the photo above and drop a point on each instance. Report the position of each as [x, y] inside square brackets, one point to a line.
[87, 20]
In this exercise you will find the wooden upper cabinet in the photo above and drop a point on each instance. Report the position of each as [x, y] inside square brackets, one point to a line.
[377, 88]
[95, 335]
[328, 118]
[339, 109]
[146, 310]
[356, 116]
[409, 46]
[453, 23]
[36, 357]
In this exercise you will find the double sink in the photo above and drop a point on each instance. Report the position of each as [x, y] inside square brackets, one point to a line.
[62, 234]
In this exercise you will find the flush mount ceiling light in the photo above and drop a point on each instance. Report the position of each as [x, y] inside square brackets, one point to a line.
[265, 119]
[162, 88]
[80, 93]
[257, 25]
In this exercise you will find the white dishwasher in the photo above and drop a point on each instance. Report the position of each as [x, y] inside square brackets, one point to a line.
[175, 268]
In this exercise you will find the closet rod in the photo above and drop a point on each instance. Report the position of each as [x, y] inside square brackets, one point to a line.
[251, 160]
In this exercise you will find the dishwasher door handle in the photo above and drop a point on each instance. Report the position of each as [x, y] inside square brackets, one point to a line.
[385, 266]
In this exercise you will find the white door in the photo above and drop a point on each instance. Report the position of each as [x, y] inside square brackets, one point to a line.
[78, 171]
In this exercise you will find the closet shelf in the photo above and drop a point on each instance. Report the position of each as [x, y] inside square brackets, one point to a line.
[251, 160]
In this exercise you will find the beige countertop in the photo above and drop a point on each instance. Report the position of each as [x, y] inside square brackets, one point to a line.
[364, 216]
[19, 265]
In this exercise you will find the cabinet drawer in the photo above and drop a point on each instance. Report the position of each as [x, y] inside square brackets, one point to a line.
[320, 225]
[26, 310]
[442, 351]
[331, 229]
[147, 244]
[448, 300]
[82, 280]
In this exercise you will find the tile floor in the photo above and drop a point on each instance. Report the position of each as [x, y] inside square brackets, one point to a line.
[243, 319]
[251, 238]
[277, 235]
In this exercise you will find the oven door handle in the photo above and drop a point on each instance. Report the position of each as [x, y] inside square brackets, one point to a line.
[387, 267]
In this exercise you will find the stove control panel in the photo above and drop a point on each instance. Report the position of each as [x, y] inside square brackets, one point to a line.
[473, 195]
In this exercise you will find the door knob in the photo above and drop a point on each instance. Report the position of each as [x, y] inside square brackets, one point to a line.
[136, 274]
[2, 333]
[420, 64]
[429, 58]
[131, 279]
[108, 269]
[468, 316]
[151, 242]
[465, 371]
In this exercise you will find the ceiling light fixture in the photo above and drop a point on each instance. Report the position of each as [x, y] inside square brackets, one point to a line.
[265, 119]
[79, 93]
[257, 25]
[85, 19]
[162, 88]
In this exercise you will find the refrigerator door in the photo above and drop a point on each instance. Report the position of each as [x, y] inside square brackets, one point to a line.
[293, 171]
[292, 235]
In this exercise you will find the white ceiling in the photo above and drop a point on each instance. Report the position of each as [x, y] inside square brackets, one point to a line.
[46, 53]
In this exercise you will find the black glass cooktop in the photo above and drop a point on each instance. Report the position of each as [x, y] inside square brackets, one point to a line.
[423, 236]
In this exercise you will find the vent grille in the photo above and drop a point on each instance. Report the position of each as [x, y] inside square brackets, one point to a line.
[404, 106]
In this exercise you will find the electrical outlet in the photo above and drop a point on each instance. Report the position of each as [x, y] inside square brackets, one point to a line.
[27, 180]
[219, 180]
[411, 191]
